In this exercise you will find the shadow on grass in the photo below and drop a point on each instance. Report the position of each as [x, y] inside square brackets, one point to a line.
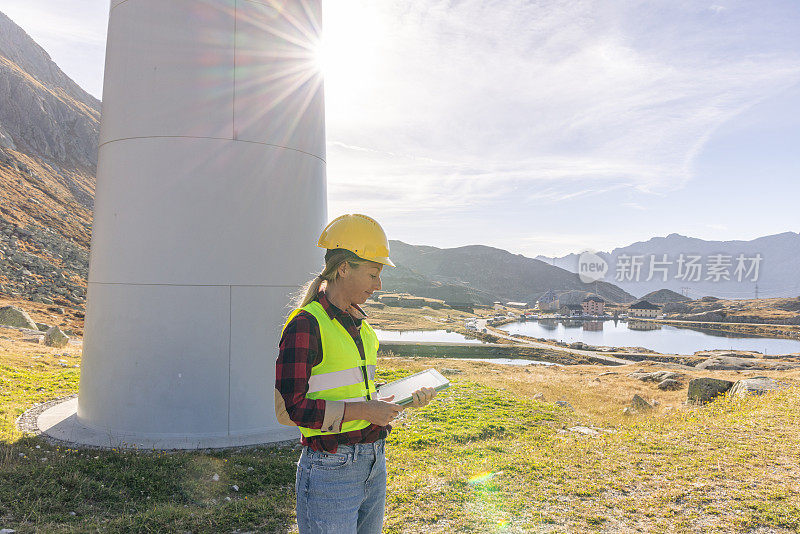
[45, 488]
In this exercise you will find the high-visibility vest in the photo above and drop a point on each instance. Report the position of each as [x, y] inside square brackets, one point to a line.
[341, 375]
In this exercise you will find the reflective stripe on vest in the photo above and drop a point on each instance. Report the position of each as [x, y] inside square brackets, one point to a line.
[340, 374]
[336, 379]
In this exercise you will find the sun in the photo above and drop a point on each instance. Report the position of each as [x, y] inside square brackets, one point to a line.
[347, 54]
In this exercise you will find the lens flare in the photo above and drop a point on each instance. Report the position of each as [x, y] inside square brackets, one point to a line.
[480, 478]
[276, 67]
[489, 506]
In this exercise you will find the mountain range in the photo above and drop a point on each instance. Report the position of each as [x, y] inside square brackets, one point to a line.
[481, 275]
[771, 266]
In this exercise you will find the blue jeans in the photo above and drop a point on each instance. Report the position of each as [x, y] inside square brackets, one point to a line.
[342, 492]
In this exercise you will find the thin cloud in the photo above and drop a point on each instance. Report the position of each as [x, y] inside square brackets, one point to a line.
[451, 114]
[506, 94]
[60, 21]
[634, 206]
[72, 32]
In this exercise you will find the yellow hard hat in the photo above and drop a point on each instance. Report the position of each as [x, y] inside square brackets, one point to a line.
[359, 234]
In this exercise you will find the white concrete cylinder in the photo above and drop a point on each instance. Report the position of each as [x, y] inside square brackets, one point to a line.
[210, 197]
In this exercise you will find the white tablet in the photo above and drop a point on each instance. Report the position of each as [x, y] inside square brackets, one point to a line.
[403, 389]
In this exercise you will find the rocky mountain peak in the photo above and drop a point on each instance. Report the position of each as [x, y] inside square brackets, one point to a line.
[20, 48]
[42, 111]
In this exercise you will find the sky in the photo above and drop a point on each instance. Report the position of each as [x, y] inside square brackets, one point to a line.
[543, 127]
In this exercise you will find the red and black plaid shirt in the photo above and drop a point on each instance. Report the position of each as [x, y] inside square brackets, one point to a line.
[300, 350]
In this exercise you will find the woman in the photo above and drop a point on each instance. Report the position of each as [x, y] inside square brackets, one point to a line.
[325, 384]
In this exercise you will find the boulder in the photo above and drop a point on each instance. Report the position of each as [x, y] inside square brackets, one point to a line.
[726, 353]
[758, 385]
[16, 317]
[564, 404]
[539, 396]
[42, 327]
[54, 337]
[727, 363]
[640, 405]
[669, 384]
[585, 430]
[732, 363]
[704, 390]
[655, 376]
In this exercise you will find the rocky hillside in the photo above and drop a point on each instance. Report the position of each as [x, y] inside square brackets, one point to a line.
[713, 309]
[48, 156]
[485, 274]
[401, 279]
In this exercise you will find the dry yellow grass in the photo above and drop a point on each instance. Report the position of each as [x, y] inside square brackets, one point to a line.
[489, 458]
[597, 392]
[396, 318]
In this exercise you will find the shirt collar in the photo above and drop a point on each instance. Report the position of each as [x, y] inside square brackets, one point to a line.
[336, 313]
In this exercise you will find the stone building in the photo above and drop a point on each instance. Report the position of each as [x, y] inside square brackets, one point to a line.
[593, 305]
[643, 309]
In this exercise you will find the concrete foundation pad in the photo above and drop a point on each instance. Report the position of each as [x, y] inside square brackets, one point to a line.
[60, 422]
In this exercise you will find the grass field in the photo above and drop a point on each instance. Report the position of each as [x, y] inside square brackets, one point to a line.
[485, 456]
[396, 318]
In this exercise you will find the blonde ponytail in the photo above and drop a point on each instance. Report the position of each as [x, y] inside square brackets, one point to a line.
[309, 292]
[333, 259]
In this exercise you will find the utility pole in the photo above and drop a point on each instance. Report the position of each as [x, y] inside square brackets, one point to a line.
[756, 290]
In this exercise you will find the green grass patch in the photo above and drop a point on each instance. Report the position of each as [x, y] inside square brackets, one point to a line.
[53, 489]
[23, 386]
[477, 459]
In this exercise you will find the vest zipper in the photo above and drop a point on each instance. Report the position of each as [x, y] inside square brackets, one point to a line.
[366, 378]
[364, 373]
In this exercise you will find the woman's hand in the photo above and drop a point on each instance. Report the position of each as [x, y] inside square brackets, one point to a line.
[381, 412]
[378, 412]
[421, 397]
